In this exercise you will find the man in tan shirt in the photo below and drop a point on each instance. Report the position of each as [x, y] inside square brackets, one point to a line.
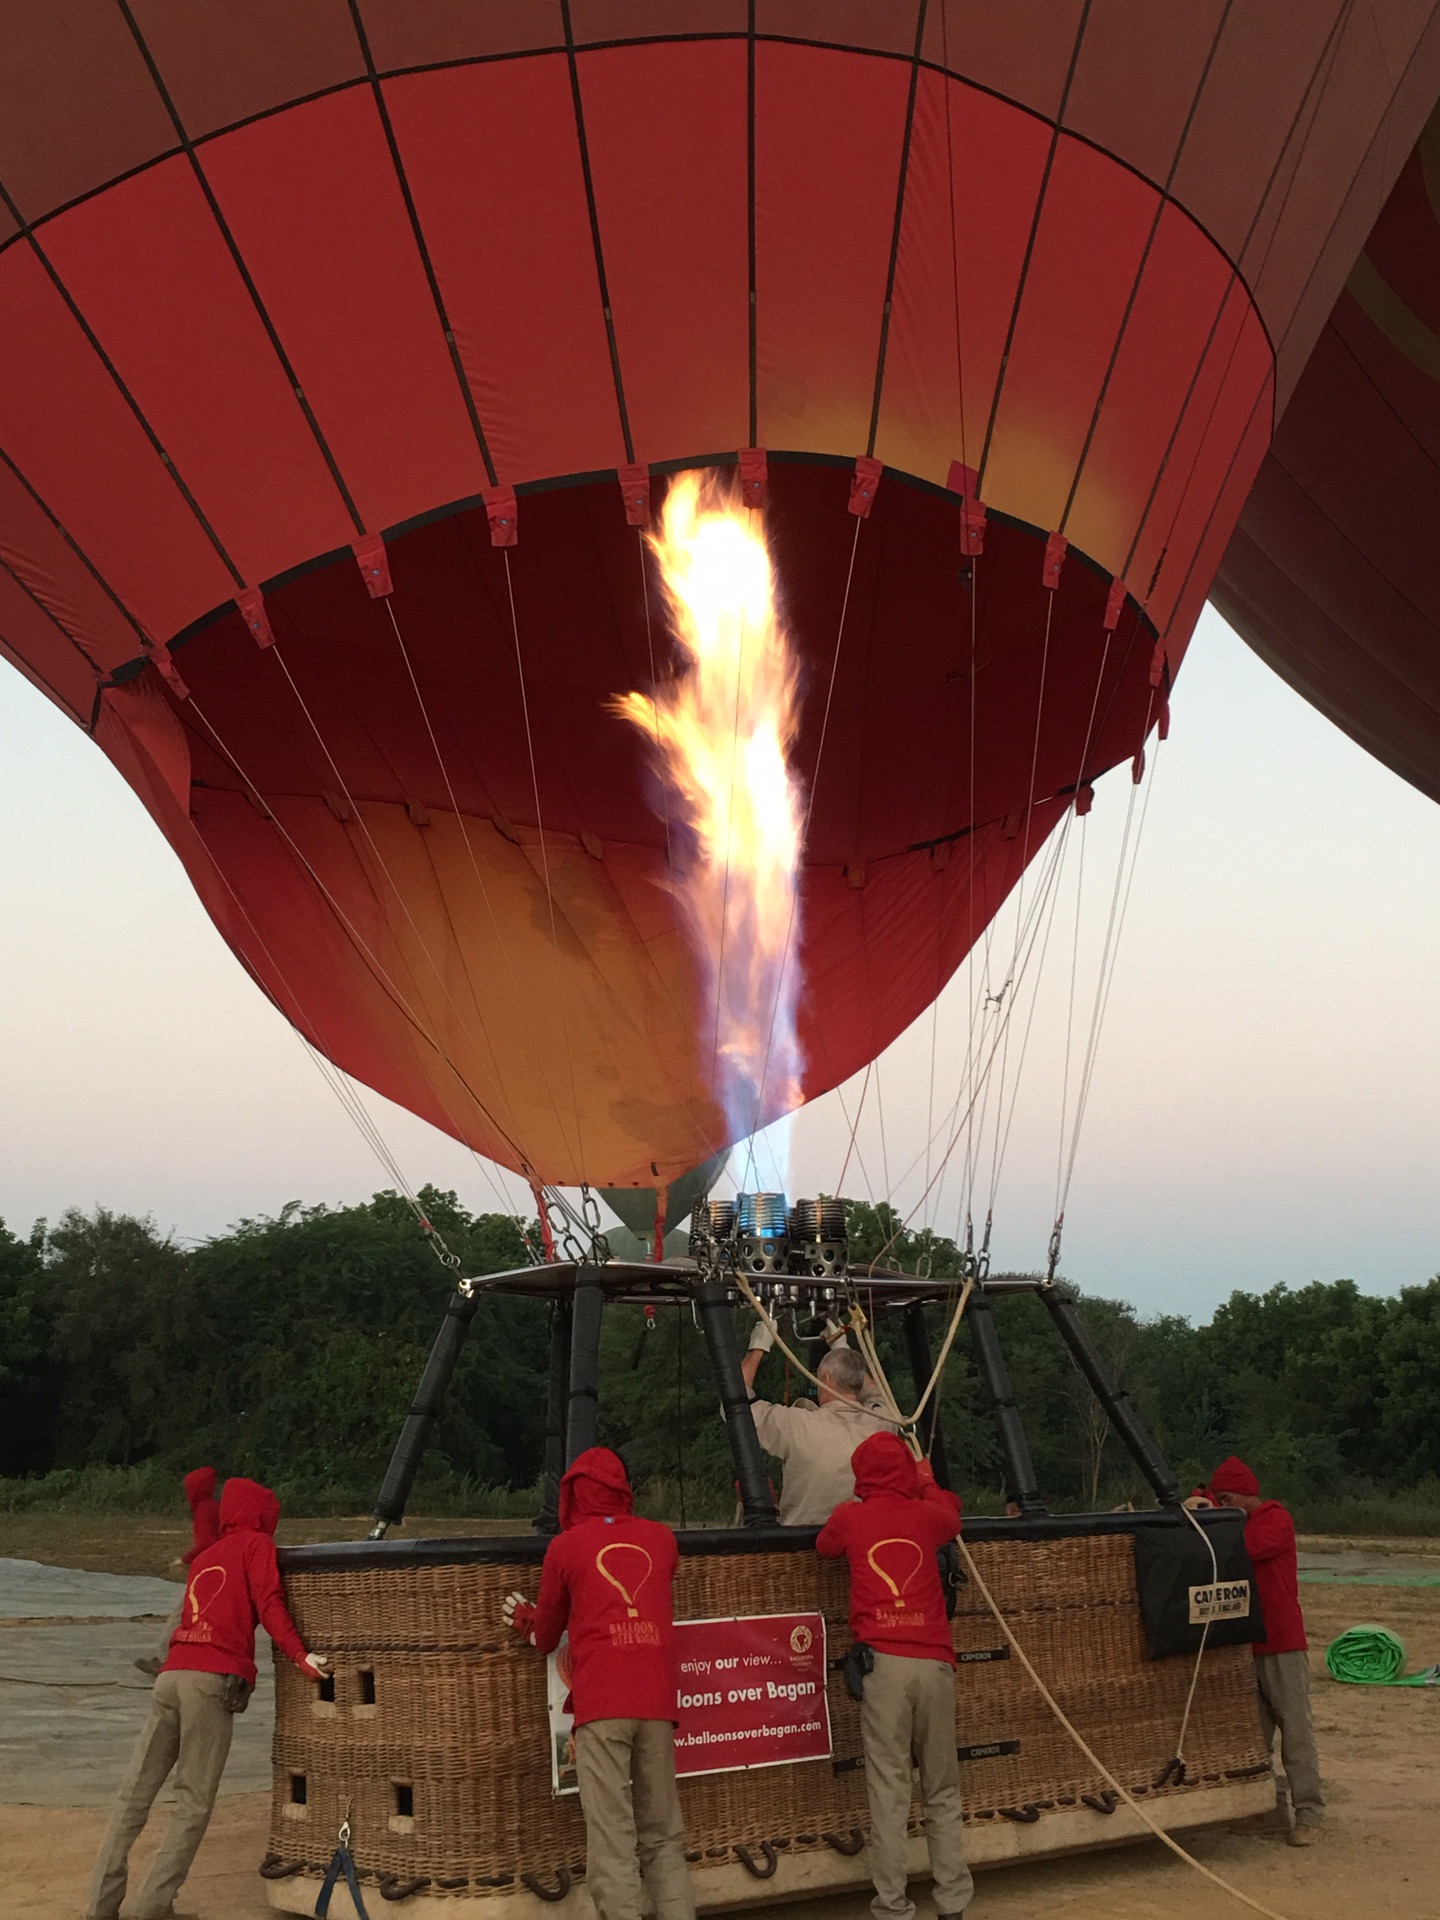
[815, 1438]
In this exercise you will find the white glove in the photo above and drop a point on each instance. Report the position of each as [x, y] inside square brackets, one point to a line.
[318, 1663]
[761, 1338]
[519, 1614]
[832, 1332]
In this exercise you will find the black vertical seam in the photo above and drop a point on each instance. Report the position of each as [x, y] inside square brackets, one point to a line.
[203, 181]
[750, 219]
[594, 212]
[125, 394]
[418, 233]
[1035, 218]
[1162, 201]
[895, 232]
[1237, 278]
[79, 552]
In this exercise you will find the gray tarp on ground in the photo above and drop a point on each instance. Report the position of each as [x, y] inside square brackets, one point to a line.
[72, 1702]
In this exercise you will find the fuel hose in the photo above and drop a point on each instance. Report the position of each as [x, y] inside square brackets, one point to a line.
[1371, 1656]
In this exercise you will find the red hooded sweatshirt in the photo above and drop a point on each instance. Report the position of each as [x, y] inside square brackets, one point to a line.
[889, 1532]
[608, 1577]
[204, 1511]
[233, 1585]
[1270, 1543]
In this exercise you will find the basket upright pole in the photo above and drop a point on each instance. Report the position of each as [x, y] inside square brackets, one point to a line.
[582, 1404]
[922, 1368]
[995, 1378]
[425, 1410]
[718, 1325]
[1133, 1432]
[548, 1519]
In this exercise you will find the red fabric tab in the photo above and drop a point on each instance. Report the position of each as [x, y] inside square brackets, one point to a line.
[754, 477]
[374, 565]
[964, 481]
[1137, 768]
[1162, 729]
[252, 611]
[863, 483]
[1056, 547]
[165, 667]
[635, 492]
[1114, 605]
[501, 511]
[1157, 664]
[1084, 798]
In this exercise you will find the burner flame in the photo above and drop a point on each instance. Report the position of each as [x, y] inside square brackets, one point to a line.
[725, 728]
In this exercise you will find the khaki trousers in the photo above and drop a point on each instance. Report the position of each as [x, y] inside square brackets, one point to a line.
[907, 1717]
[634, 1835]
[188, 1730]
[1284, 1683]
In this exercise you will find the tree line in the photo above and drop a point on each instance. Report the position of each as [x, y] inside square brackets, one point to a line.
[289, 1348]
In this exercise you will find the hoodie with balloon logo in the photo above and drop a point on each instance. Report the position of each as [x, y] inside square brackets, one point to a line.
[234, 1586]
[889, 1533]
[608, 1578]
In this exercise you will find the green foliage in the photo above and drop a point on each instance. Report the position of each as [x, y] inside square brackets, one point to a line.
[289, 1349]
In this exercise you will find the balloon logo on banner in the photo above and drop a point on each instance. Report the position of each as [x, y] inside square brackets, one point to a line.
[902, 1588]
[625, 1593]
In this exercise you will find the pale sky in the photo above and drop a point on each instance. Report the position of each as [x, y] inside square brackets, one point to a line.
[1265, 1105]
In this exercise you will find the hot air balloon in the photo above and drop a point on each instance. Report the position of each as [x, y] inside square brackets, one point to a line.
[347, 350]
[344, 353]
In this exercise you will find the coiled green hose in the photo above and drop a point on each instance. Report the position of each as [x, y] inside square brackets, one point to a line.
[1370, 1656]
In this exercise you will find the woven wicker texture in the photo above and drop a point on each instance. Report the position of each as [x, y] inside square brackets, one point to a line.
[436, 1742]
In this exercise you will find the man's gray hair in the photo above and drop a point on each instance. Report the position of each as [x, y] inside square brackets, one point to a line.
[843, 1370]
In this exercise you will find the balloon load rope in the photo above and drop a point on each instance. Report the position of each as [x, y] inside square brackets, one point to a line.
[1141, 1813]
[869, 1353]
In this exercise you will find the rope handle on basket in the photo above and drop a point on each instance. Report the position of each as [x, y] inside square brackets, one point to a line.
[1159, 1832]
[275, 1867]
[747, 1860]
[849, 1845]
[392, 1887]
[541, 1891]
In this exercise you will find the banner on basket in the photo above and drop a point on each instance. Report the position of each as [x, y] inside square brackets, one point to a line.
[752, 1694]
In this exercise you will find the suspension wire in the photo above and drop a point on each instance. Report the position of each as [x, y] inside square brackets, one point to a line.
[544, 858]
[1003, 1020]
[376, 966]
[852, 1146]
[474, 863]
[341, 1083]
[1108, 978]
[383, 865]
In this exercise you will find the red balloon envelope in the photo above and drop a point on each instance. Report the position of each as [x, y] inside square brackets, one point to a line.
[341, 351]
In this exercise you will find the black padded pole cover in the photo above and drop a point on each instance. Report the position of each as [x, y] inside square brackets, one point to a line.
[557, 1389]
[718, 1325]
[922, 1365]
[1116, 1402]
[582, 1400]
[394, 1495]
[995, 1378]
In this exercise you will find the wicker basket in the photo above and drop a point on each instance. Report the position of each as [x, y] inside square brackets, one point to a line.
[435, 1744]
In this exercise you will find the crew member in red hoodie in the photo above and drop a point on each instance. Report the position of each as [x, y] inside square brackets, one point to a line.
[205, 1682]
[608, 1577]
[1282, 1666]
[204, 1532]
[890, 1533]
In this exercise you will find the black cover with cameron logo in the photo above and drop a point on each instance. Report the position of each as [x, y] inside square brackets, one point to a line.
[1180, 1589]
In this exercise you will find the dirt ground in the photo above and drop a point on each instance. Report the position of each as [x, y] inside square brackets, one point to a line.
[1377, 1859]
